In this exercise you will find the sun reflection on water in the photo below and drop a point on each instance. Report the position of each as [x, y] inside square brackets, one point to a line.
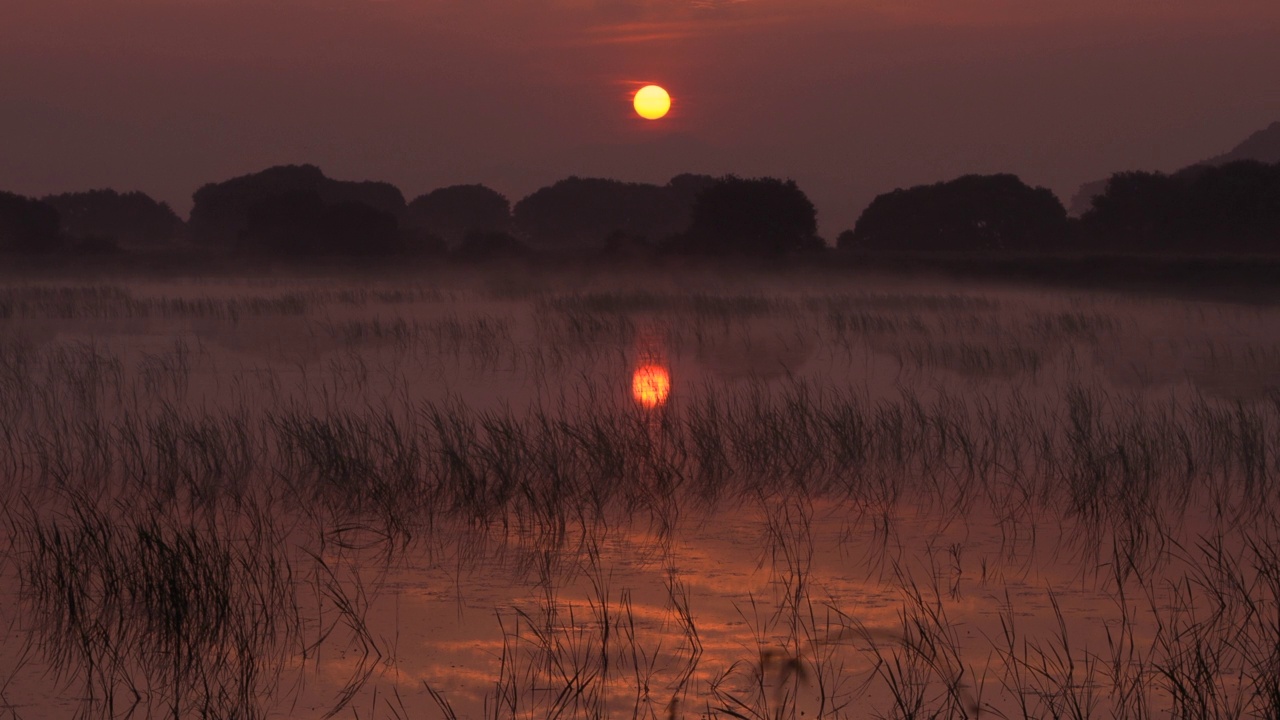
[650, 385]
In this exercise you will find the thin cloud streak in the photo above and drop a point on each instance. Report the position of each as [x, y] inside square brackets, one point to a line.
[639, 32]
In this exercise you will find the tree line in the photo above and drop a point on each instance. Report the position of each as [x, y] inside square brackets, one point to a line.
[297, 211]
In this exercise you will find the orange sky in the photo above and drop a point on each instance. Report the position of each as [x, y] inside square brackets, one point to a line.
[849, 98]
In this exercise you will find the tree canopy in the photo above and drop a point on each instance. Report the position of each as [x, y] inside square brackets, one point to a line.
[451, 213]
[970, 213]
[303, 224]
[131, 219]
[27, 225]
[1228, 208]
[758, 216]
[577, 213]
[221, 210]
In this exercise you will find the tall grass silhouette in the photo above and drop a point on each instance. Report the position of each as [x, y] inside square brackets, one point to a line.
[214, 492]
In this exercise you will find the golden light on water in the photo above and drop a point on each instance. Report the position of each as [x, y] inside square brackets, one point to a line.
[650, 385]
[652, 102]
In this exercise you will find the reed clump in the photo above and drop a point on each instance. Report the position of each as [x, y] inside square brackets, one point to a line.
[161, 616]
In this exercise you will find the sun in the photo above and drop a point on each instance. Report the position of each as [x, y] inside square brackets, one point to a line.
[650, 385]
[652, 102]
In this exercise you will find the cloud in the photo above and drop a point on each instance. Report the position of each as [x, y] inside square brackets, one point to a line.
[639, 32]
[645, 21]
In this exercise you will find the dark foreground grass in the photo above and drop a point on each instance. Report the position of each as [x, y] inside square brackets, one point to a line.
[182, 559]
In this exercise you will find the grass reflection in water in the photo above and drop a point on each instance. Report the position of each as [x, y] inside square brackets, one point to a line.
[422, 501]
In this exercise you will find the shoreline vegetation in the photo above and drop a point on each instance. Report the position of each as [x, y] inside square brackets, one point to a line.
[1252, 279]
[239, 497]
[295, 214]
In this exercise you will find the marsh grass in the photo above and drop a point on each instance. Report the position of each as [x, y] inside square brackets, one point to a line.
[165, 617]
[185, 533]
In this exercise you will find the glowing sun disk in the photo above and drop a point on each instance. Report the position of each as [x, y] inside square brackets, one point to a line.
[652, 102]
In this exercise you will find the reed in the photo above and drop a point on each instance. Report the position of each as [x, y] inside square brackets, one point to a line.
[187, 525]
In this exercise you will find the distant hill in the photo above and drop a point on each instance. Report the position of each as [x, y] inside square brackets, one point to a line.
[1263, 146]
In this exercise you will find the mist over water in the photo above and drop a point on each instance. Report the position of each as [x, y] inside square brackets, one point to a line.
[660, 495]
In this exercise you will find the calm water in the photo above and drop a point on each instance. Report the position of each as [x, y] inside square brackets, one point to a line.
[637, 499]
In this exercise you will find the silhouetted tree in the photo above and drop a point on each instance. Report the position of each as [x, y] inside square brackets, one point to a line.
[683, 191]
[1082, 201]
[971, 213]
[302, 224]
[1262, 146]
[131, 219]
[586, 212]
[760, 216]
[621, 247]
[1133, 214]
[221, 210]
[27, 225]
[491, 246]
[452, 213]
[1233, 207]
[846, 241]
[420, 243]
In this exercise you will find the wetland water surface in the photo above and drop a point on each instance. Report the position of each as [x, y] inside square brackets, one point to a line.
[427, 500]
